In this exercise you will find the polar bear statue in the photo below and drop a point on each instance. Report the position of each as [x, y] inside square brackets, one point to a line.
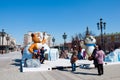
[88, 44]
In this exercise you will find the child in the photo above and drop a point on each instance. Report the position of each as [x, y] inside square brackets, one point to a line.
[74, 58]
[36, 54]
[84, 54]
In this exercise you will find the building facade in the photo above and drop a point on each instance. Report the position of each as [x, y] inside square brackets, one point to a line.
[110, 41]
[7, 43]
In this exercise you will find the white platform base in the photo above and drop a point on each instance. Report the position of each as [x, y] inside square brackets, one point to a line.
[49, 65]
[43, 67]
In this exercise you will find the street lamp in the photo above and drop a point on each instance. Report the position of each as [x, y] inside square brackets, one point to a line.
[3, 34]
[64, 37]
[53, 40]
[105, 41]
[7, 38]
[101, 25]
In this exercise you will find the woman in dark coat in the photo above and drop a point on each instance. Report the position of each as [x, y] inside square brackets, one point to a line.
[95, 62]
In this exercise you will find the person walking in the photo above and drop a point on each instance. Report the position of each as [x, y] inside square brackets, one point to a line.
[100, 55]
[73, 60]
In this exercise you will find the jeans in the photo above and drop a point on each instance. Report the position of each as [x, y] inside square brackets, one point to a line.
[73, 66]
[42, 58]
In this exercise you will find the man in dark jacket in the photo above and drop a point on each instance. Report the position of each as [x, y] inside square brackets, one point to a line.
[93, 56]
[42, 58]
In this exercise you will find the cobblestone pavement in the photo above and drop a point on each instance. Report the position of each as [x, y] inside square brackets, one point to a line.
[10, 70]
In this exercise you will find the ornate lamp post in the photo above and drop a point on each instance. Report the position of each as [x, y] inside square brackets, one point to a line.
[53, 40]
[101, 25]
[105, 41]
[3, 34]
[64, 37]
[7, 38]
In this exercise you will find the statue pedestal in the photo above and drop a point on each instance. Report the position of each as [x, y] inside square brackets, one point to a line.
[43, 67]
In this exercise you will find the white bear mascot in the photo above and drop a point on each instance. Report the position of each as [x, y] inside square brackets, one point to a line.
[88, 44]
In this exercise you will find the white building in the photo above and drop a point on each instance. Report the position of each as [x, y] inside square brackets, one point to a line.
[7, 42]
[27, 38]
[6, 39]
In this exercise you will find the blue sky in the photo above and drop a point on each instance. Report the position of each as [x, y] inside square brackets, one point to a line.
[55, 17]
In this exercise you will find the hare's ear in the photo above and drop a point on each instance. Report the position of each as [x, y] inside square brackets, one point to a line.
[32, 35]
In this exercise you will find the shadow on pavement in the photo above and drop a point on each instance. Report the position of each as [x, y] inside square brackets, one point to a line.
[62, 68]
[84, 73]
[16, 62]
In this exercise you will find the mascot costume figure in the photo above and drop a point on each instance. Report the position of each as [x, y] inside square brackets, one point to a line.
[38, 43]
[88, 44]
[29, 52]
